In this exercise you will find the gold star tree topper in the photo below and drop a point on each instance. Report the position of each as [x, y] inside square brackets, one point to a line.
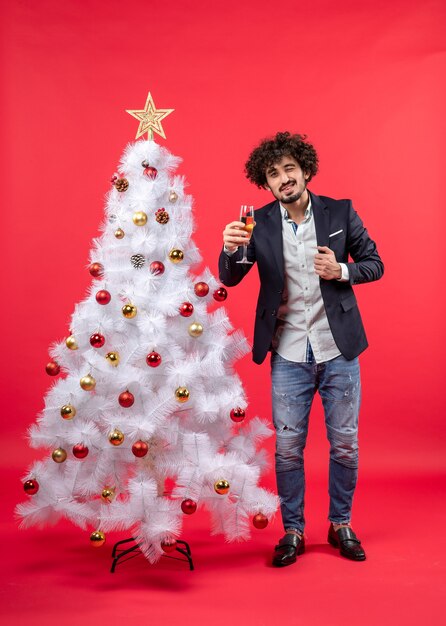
[150, 119]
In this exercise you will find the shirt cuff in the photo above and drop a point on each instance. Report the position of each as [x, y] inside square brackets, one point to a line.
[231, 252]
[345, 276]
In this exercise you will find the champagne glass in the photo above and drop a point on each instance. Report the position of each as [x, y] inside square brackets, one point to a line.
[247, 217]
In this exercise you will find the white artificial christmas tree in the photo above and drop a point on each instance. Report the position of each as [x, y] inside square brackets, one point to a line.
[148, 391]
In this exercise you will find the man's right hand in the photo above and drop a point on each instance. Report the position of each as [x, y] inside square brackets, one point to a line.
[234, 236]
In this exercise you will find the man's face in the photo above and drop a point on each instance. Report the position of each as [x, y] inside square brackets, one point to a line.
[286, 180]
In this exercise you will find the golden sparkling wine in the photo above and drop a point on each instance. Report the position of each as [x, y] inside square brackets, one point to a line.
[247, 217]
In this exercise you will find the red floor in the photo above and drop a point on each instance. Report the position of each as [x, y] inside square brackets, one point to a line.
[54, 576]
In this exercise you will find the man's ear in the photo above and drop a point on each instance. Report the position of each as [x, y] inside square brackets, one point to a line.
[265, 186]
[306, 175]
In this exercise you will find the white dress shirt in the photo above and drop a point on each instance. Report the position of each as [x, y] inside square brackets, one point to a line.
[301, 318]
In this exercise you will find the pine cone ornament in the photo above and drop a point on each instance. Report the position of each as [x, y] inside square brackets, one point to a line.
[137, 261]
[121, 184]
[162, 216]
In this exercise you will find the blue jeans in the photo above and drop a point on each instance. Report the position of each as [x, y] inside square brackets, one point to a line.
[293, 389]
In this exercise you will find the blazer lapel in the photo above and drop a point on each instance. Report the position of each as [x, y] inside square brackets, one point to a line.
[321, 220]
[273, 224]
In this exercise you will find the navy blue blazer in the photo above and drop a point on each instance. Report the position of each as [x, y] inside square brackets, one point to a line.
[266, 249]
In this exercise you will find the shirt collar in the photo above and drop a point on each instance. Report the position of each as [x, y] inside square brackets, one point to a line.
[308, 211]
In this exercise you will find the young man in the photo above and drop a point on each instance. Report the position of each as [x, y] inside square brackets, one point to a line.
[309, 250]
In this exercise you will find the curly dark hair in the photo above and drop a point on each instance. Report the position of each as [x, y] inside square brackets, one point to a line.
[272, 150]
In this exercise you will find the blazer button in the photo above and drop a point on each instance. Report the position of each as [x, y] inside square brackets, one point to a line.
[273, 312]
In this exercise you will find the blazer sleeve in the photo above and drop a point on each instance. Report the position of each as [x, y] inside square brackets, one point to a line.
[367, 265]
[231, 272]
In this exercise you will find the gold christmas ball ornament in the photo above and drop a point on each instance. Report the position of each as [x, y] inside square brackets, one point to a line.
[107, 495]
[112, 358]
[195, 329]
[221, 486]
[119, 233]
[59, 455]
[71, 343]
[176, 256]
[116, 437]
[173, 196]
[182, 394]
[87, 382]
[140, 218]
[68, 411]
[129, 311]
[97, 538]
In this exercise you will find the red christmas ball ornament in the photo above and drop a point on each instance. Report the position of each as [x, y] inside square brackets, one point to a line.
[238, 414]
[150, 172]
[97, 340]
[126, 399]
[31, 486]
[153, 359]
[96, 270]
[140, 449]
[186, 309]
[156, 268]
[260, 521]
[103, 297]
[80, 451]
[220, 294]
[169, 545]
[201, 289]
[52, 368]
[188, 506]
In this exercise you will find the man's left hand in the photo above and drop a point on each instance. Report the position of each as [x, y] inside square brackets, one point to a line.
[325, 264]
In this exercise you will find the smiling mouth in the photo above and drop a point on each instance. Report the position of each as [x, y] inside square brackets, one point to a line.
[287, 187]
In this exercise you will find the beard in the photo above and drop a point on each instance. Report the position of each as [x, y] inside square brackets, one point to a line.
[293, 198]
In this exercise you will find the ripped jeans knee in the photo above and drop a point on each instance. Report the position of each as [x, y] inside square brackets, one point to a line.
[289, 449]
[344, 446]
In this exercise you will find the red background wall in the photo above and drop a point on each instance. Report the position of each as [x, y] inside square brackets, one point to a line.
[364, 80]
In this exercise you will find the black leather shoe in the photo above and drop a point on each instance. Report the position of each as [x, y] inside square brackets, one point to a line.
[347, 542]
[287, 550]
